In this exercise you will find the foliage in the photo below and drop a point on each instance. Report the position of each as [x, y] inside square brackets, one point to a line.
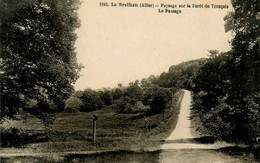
[122, 100]
[227, 87]
[47, 119]
[17, 137]
[135, 92]
[125, 98]
[226, 112]
[106, 97]
[38, 61]
[139, 97]
[123, 105]
[244, 23]
[181, 75]
[214, 115]
[157, 98]
[147, 82]
[140, 107]
[73, 104]
[73, 132]
[117, 93]
[91, 101]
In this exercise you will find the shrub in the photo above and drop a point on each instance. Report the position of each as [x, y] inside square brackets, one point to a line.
[157, 98]
[18, 137]
[140, 108]
[73, 104]
[91, 101]
[123, 105]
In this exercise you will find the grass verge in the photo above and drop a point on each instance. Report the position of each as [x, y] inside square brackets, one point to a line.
[72, 132]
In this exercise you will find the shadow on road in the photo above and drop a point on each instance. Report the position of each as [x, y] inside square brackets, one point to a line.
[201, 140]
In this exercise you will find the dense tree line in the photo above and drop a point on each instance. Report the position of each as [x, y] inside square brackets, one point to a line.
[180, 76]
[135, 98]
[227, 87]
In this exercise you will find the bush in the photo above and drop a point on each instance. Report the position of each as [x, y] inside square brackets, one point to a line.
[17, 137]
[140, 108]
[106, 97]
[73, 104]
[129, 105]
[227, 121]
[123, 105]
[91, 101]
[157, 98]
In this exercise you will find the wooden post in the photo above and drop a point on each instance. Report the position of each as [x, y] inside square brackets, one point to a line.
[94, 128]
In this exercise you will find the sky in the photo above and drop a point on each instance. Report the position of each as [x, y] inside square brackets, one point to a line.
[122, 44]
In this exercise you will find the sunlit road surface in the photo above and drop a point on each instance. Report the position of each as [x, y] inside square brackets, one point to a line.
[182, 130]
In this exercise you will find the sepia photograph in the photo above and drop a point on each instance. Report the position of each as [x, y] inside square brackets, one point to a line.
[156, 81]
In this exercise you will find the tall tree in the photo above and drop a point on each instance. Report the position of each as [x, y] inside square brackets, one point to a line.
[38, 58]
[244, 23]
[227, 87]
[245, 61]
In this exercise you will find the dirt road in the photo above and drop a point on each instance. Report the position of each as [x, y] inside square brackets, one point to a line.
[182, 130]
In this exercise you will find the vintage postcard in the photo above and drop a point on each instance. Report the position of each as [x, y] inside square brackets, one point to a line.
[129, 81]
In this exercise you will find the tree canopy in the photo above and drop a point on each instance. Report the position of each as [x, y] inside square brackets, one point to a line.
[38, 58]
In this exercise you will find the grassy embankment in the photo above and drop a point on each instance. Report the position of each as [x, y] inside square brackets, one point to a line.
[72, 132]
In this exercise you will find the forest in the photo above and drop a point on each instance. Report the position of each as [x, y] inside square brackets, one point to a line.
[38, 69]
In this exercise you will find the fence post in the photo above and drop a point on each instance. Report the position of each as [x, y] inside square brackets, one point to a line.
[95, 118]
